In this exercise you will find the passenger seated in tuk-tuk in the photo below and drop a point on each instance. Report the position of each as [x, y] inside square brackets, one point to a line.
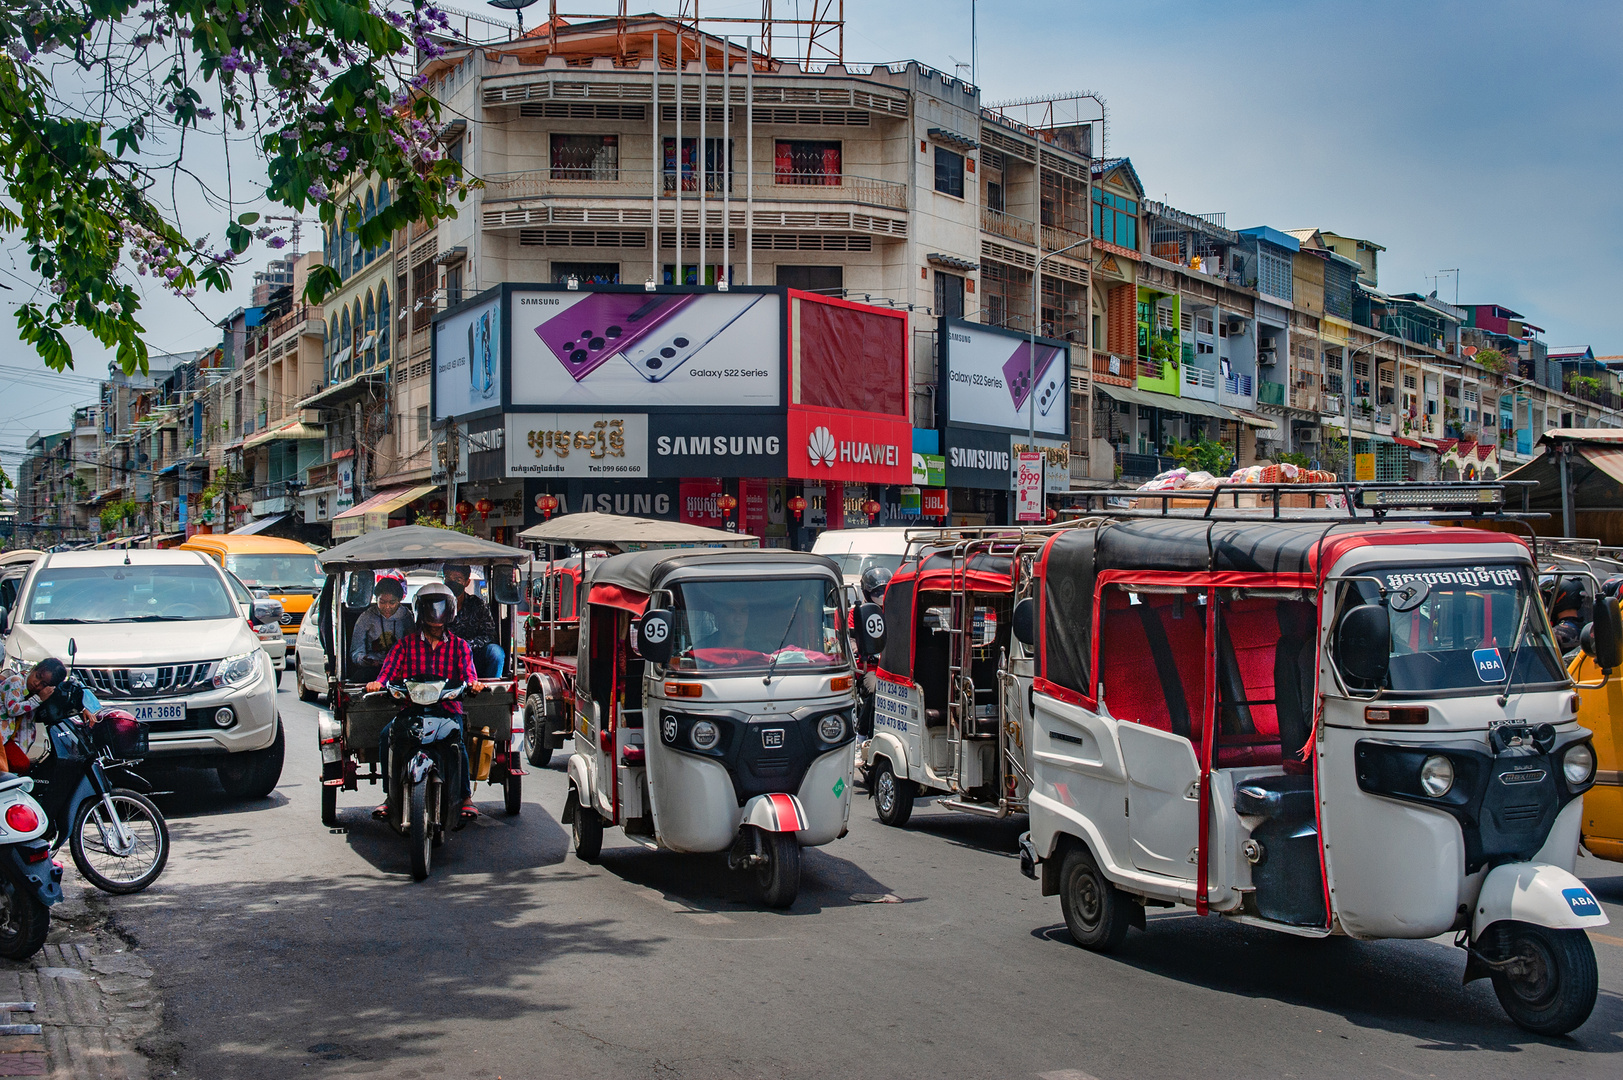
[1567, 613]
[435, 651]
[379, 627]
[473, 622]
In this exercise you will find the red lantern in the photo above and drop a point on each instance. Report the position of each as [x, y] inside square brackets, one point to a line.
[463, 509]
[728, 504]
[872, 509]
[1053, 515]
[484, 506]
[797, 506]
[547, 503]
[436, 507]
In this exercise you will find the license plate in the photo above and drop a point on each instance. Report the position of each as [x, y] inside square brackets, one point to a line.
[149, 713]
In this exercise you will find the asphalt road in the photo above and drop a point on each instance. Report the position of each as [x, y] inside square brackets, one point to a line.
[286, 949]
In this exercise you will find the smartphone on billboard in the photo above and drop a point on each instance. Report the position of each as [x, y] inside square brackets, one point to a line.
[1050, 387]
[482, 356]
[586, 335]
[1021, 376]
[680, 337]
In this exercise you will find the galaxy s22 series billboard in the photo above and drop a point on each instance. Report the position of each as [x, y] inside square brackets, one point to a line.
[467, 358]
[991, 380]
[645, 350]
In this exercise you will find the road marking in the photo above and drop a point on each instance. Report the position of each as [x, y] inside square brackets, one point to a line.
[1608, 938]
[1066, 1074]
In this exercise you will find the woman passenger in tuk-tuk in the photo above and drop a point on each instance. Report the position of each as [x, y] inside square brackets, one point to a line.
[382, 624]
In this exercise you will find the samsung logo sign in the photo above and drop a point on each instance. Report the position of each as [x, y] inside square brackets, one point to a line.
[718, 445]
[961, 457]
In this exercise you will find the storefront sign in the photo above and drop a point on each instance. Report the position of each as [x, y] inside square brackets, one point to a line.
[929, 469]
[1364, 467]
[859, 447]
[977, 459]
[346, 488]
[700, 504]
[912, 502]
[990, 379]
[935, 502]
[1056, 461]
[577, 444]
[633, 498]
[614, 348]
[733, 444]
[1028, 486]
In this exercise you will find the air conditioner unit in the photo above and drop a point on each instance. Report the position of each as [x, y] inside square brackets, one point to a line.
[1236, 328]
[1073, 307]
[1307, 435]
[1267, 358]
[1265, 342]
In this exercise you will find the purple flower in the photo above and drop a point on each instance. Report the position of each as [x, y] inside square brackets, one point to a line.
[318, 191]
[276, 242]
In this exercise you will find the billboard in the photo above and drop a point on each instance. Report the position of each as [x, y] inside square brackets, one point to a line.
[577, 444]
[990, 379]
[635, 349]
[865, 448]
[844, 355]
[467, 358]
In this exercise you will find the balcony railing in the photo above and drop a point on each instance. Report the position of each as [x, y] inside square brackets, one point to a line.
[1238, 385]
[1150, 369]
[638, 183]
[1009, 227]
[1383, 416]
[1302, 398]
[304, 313]
[1123, 373]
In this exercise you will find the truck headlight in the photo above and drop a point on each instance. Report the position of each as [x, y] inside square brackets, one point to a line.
[20, 666]
[237, 670]
[1436, 776]
[704, 735]
[1578, 764]
[831, 728]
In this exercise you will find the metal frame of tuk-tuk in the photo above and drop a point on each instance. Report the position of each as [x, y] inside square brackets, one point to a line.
[344, 774]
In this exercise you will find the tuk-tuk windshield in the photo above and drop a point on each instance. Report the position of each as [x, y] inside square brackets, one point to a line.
[1463, 635]
[733, 624]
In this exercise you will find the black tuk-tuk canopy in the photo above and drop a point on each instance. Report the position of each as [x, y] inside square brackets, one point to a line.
[617, 532]
[416, 544]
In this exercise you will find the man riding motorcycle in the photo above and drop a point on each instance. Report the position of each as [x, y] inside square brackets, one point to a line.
[434, 651]
[873, 582]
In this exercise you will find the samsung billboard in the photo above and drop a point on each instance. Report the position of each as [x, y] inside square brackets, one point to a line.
[991, 380]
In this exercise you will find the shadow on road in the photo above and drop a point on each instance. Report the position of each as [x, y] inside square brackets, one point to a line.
[1001, 837]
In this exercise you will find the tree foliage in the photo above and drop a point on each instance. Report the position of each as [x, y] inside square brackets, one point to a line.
[101, 101]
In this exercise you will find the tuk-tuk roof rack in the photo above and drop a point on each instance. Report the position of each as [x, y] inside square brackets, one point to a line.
[1361, 501]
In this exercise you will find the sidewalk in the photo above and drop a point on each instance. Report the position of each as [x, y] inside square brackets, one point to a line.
[76, 1010]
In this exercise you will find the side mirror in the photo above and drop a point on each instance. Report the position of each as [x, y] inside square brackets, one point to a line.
[261, 594]
[73, 649]
[1025, 622]
[1409, 597]
[1608, 635]
[870, 630]
[267, 612]
[5, 620]
[654, 636]
[504, 585]
[359, 593]
[1364, 645]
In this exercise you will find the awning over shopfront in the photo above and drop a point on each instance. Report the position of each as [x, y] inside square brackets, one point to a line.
[1171, 403]
[291, 431]
[344, 391]
[373, 514]
[1253, 420]
[1592, 505]
[259, 526]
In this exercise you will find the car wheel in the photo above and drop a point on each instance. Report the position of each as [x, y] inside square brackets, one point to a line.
[254, 773]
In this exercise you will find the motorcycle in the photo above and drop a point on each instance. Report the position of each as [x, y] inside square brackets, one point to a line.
[30, 880]
[425, 766]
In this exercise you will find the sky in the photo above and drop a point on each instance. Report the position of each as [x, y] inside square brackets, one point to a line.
[1485, 136]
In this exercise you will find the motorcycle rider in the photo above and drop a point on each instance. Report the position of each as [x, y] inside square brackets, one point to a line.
[873, 582]
[381, 625]
[431, 650]
[473, 622]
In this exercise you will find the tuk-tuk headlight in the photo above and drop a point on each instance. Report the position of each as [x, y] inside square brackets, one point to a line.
[704, 735]
[831, 728]
[1578, 764]
[1436, 776]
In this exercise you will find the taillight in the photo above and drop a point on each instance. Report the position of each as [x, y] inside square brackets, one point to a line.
[606, 741]
[22, 818]
[37, 855]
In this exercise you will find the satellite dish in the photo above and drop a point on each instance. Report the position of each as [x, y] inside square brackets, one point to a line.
[516, 7]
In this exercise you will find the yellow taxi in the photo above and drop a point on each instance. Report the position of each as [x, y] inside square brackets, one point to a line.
[286, 569]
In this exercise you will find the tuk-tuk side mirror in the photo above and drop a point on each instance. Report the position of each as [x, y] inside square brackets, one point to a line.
[5, 620]
[1025, 622]
[504, 585]
[870, 630]
[1607, 635]
[654, 636]
[1364, 645]
[359, 593]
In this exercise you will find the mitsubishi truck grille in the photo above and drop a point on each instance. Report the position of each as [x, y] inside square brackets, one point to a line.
[169, 680]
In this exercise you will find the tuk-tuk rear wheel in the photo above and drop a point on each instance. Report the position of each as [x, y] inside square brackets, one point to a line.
[1097, 914]
[1555, 989]
[586, 829]
[329, 805]
[537, 746]
[893, 797]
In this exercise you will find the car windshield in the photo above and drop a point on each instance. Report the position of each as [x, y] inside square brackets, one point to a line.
[114, 594]
[1463, 635]
[277, 573]
[743, 624]
[855, 563]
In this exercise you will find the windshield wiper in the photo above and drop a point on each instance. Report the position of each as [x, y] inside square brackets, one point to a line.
[153, 618]
[1515, 652]
[790, 625]
[56, 622]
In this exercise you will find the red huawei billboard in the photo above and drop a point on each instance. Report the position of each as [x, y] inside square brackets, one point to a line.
[848, 392]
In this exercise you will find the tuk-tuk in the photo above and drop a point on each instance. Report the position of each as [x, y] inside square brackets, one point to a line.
[714, 707]
[1350, 722]
[552, 630]
[941, 725]
[349, 732]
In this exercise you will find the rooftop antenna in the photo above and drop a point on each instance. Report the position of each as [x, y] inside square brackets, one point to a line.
[1456, 273]
[516, 7]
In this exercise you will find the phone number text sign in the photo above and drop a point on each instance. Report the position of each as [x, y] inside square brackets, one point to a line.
[577, 444]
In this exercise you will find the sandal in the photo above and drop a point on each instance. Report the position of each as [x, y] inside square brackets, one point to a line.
[470, 812]
[380, 812]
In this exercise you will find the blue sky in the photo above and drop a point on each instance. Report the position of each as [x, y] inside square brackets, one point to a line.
[1483, 136]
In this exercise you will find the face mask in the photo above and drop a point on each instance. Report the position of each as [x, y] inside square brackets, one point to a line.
[457, 587]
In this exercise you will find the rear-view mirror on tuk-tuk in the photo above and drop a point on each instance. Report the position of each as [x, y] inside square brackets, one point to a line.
[1364, 645]
[1607, 635]
[359, 593]
[870, 630]
[1025, 622]
[1409, 597]
[654, 636]
[504, 587]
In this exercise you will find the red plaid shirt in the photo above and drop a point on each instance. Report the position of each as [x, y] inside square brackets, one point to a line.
[414, 656]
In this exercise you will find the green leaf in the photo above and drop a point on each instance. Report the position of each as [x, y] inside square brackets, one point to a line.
[247, 219]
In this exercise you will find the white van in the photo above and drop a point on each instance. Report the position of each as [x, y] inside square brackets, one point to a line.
[855, 550]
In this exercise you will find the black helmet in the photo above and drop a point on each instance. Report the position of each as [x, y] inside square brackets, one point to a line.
[874, 580]
[434, 603]
[1569, 596]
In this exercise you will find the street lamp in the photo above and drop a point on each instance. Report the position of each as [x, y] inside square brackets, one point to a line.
[1374, 390]
[1031, 357]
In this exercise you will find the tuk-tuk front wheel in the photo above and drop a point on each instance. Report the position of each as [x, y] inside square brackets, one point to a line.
[586, 829]
[1097, 914]
[892, 796]
[537, 743]
[778, 877]
[513, 792]
[1550, 982]
[329, 805]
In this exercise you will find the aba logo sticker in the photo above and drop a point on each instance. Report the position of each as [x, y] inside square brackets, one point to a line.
[1581, 902]
[1489, 667]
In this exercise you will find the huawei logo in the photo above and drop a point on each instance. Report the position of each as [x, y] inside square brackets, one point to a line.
[820, 447]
